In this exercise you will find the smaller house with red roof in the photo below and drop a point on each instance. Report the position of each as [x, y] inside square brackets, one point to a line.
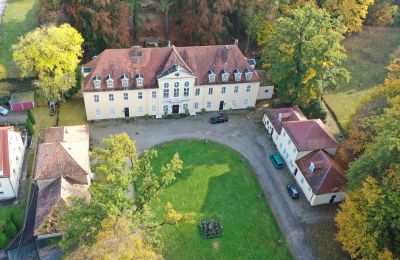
[308, 148]
[12, 151]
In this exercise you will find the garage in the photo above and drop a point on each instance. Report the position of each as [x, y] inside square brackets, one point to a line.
[20, 101]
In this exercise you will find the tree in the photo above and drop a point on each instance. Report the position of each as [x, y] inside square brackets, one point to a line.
[137, 11]
[30, 116]
[305, 55]
[51, 54]
[117, 169]
[164, 6]
[353, 12]
[382, 12]
[29, 127]
[368, 221]
[3, 72]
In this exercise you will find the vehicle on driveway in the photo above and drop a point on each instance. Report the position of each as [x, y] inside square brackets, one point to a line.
[218, 119]
[3, 111]
[293, 192]
[276, 160]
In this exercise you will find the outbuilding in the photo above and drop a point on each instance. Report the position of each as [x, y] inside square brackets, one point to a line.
[20, 101]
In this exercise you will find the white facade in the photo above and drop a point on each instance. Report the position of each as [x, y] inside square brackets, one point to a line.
[270, 129]
[176, 93]
[9, 185]
[265, 92]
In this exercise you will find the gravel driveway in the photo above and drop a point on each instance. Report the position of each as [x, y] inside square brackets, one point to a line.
[244, 133]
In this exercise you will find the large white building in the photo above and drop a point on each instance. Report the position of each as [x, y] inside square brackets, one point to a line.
[12, 152]
[157, 81]
[308, 148]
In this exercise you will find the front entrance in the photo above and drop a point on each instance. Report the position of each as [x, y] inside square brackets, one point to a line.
[126, 111]
[175, 109]
[221, 105]
[332, 199]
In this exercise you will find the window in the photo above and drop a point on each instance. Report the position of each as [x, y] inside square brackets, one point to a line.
[140, 95]
[185, 107]
[211, 78]
[154, 94]
[223, 90]
[176, 85]
[165, 108]
[153, 108]
[280, 145]
[289, 142]
[96, 98]
[187, 84]
[139, 82]
[186, 92]
[210, 91]
[309, 189]
[124, 83]
[97, 83]
[294, 150]
[284, 133]
[111, 97]
[248, 89]
[236, 90]
[140, 109]
[225, 77]
[246, 102]
[176, 92]
[249, 75]
[98, 113]
[302, 180]
[196, 105]
[197, 93]
[166, 90]
[234, 103]
[266, 91]
[238, 75]
[112, 111]
[209, 104]
[125, 96]
[110, 83]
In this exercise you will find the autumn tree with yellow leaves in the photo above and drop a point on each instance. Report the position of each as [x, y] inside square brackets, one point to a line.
[305, 55]
[51, 54]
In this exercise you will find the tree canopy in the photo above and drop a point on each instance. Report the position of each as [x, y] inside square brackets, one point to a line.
[305, 55]
[52, 54]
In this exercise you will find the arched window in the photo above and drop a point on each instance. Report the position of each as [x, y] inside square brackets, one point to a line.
[166, 90]
[176, 84]
[187, 84]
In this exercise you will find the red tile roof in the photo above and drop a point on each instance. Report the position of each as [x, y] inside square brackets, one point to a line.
[151, 62]
[288, 114]
[4, 153]
[310, 135]
[327, 177]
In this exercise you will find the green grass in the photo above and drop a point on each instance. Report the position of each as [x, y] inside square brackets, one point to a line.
[14, 213]
[217, 182]
[368, 53]
[19, 18]
[72, 112]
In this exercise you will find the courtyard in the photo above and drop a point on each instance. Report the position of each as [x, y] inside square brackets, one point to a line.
[299, 222]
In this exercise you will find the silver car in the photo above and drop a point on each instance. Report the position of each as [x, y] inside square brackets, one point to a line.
[3, 111]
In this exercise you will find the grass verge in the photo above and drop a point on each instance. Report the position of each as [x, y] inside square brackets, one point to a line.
[217, 182]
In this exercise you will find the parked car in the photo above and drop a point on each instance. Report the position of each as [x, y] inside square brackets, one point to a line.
[276, 160]
[293, 192]
[3, 111]
[218, 119]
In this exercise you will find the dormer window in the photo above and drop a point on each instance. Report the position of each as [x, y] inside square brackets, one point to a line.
[249, 74]
[224, 75]
[211, 76]
[139, 80]
[97, 81]
[312, 167]
[124, 80]
[110, 81]
[238, 74]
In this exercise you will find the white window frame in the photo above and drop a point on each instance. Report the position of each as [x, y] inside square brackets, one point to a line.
[125, 83]
[166, 90]
[238, 76]
[176, 91]
[196, 105]
[153, 94]
[154, 108]
[248, 89]
[96, 98]
[211, 78]
[236, 90]
[223, 90]
[210, 91]
[111, 97]
[185, 107]
[112, 111]
[165, 108]
[140, 95]
[234, 103]
[98, 112]
[249, 75]
[139, 82]
[97, 84]
[186, 91]
[140, 109]
[110, 83]
[209, 104]
[225, 77]
[197, 92]
[125, 96]
[246, 102]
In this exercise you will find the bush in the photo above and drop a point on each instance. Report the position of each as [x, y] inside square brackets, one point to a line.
[29, 127]
[315, 110]
[17, 217]
[3, 240]
[10, 230]
[31, 117]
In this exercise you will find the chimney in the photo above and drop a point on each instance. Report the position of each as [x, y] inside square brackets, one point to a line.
[236, 42]
[280, 117]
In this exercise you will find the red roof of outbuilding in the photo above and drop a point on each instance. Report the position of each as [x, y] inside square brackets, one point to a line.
[288, 114]
[327, 177]
[4, 153]
[310, 135]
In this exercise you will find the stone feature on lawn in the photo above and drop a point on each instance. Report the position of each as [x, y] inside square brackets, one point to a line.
[210, 228]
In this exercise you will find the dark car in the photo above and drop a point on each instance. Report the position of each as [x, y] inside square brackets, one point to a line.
[276, 160]
[218, 119]
[293, 192]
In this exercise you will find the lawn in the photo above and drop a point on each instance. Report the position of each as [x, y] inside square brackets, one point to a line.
[217, 182]
[368, 53]
[72, 112]
[11, 220]
[19, 18]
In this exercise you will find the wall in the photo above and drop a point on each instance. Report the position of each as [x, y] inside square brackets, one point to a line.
[325, 198]
[265, 92]
[270, 129]
[6, 190]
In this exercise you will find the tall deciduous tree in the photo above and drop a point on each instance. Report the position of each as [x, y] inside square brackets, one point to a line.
[353, 11]
[305, 55]
[51, 54]
[164, 7]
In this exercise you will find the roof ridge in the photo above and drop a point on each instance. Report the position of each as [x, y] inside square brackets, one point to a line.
[180, 57]
[69, 154]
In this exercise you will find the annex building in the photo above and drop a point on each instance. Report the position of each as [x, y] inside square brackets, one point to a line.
[139, 81]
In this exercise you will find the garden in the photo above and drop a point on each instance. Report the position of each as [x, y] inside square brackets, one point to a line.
[217, 183]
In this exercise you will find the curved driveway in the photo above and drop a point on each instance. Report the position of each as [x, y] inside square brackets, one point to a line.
[245, 135]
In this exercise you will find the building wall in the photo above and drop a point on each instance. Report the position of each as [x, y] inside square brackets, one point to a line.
[270, 129]
[155, 106]
[265, 92]
[16, 152]
[325, 198]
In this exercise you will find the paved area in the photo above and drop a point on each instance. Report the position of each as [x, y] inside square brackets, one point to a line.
[13, 117]
[244, 133]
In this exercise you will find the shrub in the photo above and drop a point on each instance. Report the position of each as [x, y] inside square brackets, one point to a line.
[31, 117]
[315, 110]
[10, 230]
[29, 127]
[3, 240]
[17, 217]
